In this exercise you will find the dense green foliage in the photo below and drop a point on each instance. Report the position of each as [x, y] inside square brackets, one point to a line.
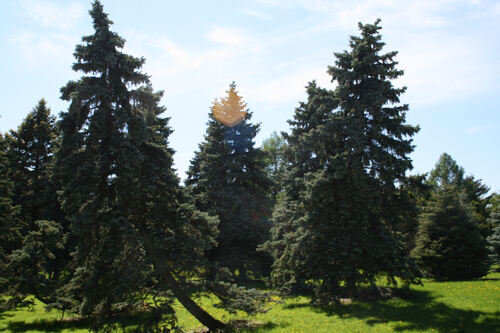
[347, 150]
[131, 222]
[449, 245]
[36, 266]
[31, 152]
[494, 239]
[9, 223]
[472, 191]
[227, 178]
[273, 149]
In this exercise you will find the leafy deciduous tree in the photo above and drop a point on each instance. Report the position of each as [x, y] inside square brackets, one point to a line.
[273, 151]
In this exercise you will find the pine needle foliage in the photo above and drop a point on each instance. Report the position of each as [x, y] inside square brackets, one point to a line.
[449, 245]
[347, 151]
[136, 234]
[227, 178]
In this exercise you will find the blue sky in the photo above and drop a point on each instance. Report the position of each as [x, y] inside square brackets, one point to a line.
[449, 50]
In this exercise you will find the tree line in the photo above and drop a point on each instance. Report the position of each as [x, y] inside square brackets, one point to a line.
[95, 222]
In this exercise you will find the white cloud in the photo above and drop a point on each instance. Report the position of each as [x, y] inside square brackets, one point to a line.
[440, 68]
[38, 49]
[289, 87]
[480, 129]
[440, 65]
[51, 15]
[227, 36]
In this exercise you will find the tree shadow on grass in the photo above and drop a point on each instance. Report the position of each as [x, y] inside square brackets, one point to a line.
[75, 323]
[46, 325]
[419, 312]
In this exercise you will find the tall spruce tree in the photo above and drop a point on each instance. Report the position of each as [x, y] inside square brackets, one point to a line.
[227, 178]
[348, 150]
[449, 245]
[31, 152]
[289, 272]
[10, 236]
[135, 232]
[36, 267]
[493, 240]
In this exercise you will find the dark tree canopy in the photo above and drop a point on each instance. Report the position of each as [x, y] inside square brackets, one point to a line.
[347, 150]
[449, 245]
[227, 178]
[10, 236]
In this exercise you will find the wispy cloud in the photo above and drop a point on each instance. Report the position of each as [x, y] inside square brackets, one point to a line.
[290, 87]
[38, 49]
[51, 15]
[227, 36]
[481, 129]
[440, 65]
[257, 14]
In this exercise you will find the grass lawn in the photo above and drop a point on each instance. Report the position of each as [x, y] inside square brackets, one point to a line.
[470, 306]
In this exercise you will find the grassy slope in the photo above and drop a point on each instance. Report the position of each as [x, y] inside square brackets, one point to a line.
[470, 306]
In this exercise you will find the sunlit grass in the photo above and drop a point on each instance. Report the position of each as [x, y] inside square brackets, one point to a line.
[468, 306]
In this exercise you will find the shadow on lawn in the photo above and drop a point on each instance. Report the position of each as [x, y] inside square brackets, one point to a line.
[46, 325]
[419, 312]
[72, 324]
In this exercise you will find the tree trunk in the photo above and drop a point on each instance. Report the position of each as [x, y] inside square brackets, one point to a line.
[166, 276]
[200, 314]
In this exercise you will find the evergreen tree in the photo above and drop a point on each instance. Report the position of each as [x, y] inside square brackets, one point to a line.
[348, 148]
[472, 191]
[415, 192]
[135, 233]
[273, 151]
[449, 245]
[446, 172]
[289, 272]
[31, 152]
[227, 178]
[37, 266]
[9, 222]
[494, 239]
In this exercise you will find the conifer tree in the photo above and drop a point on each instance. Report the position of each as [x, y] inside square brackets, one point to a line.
[449, 245]
[494, 239]
[135, 233]
[31, 152]
[347, 150]
[227, 178]
[472, 191]
[446, 172]
[9, 216]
